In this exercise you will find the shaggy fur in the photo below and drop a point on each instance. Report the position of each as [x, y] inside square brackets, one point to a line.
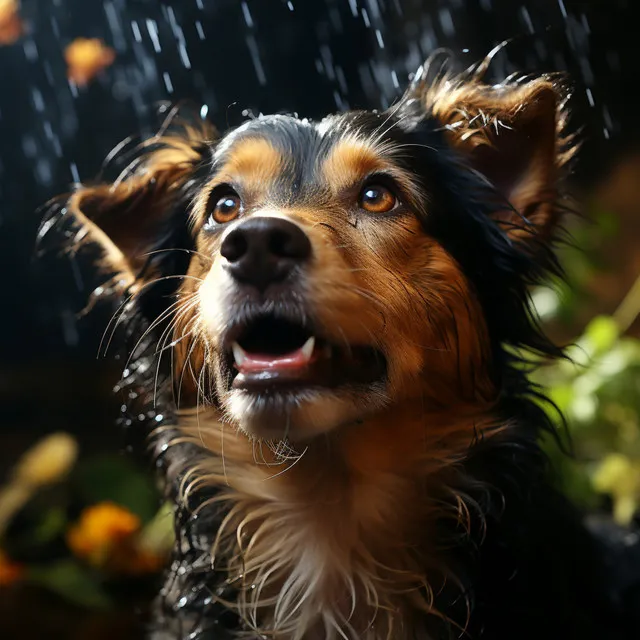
[408, 498]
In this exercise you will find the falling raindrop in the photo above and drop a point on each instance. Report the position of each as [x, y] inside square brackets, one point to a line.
[526, 18]
[563, 10]
[55, 28]
[38, 100]
[327, 61]
[247, 15]
[255, 57]
[136, 31]
[75, 176]
[152, 29]
[115, 26]
[446, 22]
[585, 23]
[167, 82]
[184, 56]
[30, 50]
[342, 81]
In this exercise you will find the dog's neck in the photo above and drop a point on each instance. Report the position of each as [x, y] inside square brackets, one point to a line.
[340, 531]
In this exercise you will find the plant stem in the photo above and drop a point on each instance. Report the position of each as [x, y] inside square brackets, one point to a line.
[629, 308]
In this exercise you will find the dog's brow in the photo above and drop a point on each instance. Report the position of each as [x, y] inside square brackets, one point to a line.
[253, 160]
[348, 162]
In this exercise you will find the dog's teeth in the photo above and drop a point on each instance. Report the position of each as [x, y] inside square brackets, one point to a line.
[238, 354]
[308, 347]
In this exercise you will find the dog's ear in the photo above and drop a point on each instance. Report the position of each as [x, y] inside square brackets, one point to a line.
[512, 134]
[145, 210]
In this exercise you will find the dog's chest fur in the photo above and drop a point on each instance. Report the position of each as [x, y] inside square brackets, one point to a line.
[318, 549]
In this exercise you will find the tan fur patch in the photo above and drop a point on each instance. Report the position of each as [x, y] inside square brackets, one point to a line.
[252, 162]
[349, 162]
[353, 159]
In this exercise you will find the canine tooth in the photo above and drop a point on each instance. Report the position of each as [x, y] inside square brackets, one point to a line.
[238, 354]
[308, 347]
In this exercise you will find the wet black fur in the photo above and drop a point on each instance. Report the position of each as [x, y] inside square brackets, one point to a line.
[531, 569]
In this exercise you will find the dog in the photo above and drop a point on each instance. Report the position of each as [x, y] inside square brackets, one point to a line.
[327, 326]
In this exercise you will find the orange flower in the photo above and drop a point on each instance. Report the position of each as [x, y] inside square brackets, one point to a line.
[10, 571]
[99, 529]
[106, 536]
[86, 57]
[11, 25]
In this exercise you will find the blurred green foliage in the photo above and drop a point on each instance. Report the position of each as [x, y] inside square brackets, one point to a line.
[597, 389]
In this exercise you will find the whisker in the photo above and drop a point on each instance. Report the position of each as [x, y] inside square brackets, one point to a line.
[182, 372]
[162, 341]
[293, 464]
[124, 304]
[117, 316]
[161, 318]
[188, 251]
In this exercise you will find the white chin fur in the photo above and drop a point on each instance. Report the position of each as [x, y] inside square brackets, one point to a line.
[297, 416]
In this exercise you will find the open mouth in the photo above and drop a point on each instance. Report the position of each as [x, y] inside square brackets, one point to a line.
[270, 353]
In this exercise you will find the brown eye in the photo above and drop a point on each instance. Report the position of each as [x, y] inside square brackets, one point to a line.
[377, 199]
[227, 208]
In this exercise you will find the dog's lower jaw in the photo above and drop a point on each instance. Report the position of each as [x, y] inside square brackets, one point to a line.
[300, 416]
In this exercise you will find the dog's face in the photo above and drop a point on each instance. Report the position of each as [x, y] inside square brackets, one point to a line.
[340, 267]
[321, 298]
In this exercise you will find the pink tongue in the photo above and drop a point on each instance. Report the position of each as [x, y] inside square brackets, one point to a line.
[267, 362]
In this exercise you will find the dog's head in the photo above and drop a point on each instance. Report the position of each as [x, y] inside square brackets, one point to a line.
[326, 270]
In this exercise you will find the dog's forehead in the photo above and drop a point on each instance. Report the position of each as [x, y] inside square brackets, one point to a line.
[283, 133]
[286, 152]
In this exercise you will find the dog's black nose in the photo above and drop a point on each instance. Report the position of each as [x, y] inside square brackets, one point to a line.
[263, 250]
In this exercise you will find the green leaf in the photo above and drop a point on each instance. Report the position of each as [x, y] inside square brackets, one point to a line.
[50, 527]
[71, 581]
[158, 535]
[602, 333]
[606, 223]
[562, 396]
[115, 479]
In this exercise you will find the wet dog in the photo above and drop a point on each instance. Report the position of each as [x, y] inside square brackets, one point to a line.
[326, 323]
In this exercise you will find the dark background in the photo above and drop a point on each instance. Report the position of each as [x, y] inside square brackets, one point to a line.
[305, 56]
[226, 56]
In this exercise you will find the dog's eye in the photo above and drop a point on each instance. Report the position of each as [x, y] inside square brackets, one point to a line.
[377, 199]
[227, 208]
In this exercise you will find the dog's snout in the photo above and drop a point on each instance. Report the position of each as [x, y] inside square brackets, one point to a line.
[263, 250]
